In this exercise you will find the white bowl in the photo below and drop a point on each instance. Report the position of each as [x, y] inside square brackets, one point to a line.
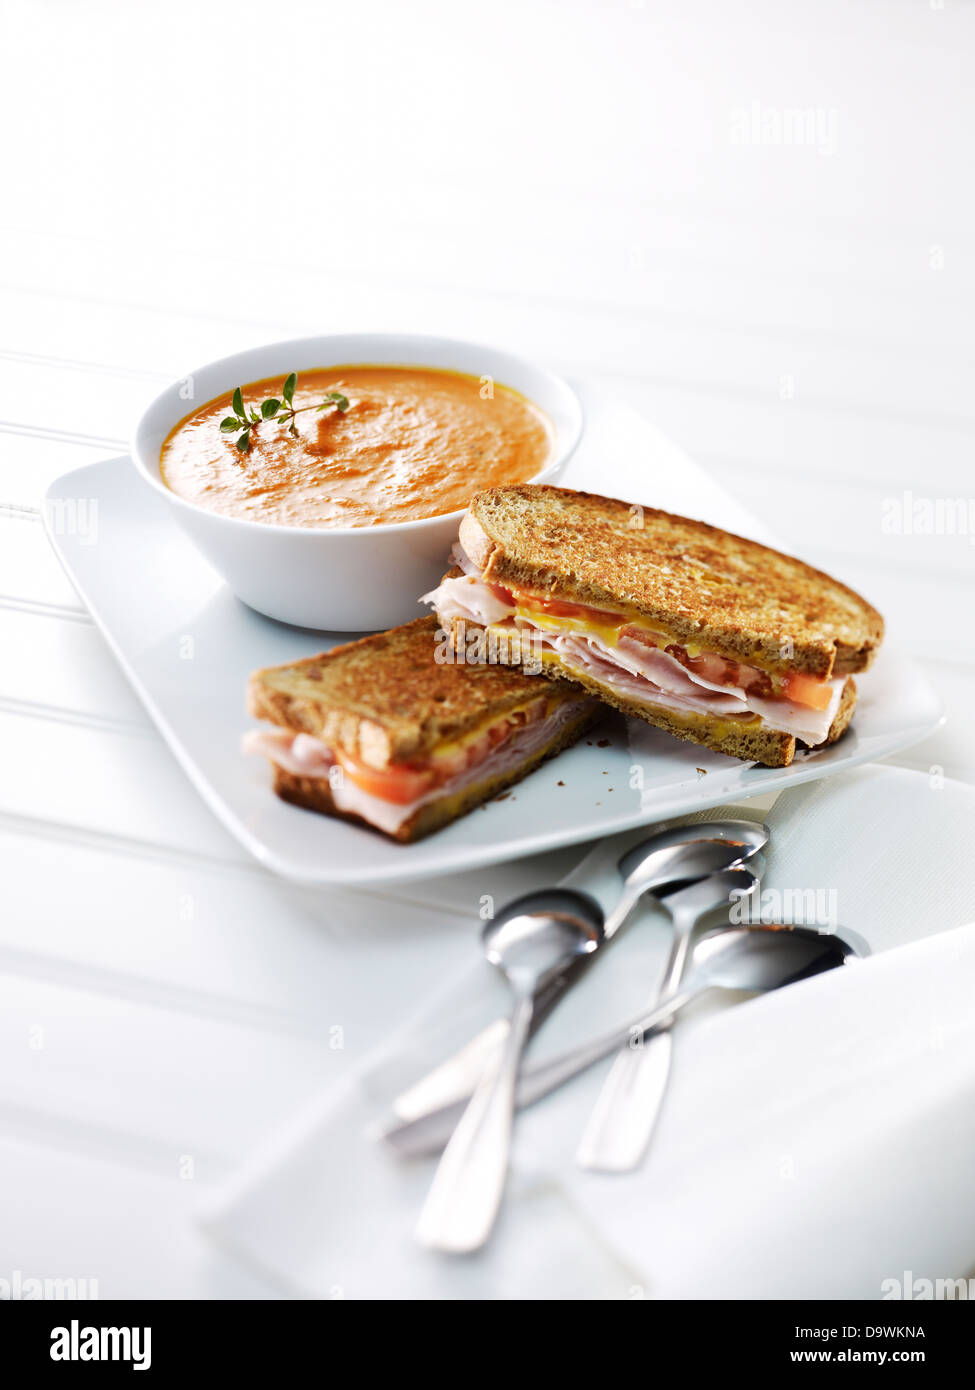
[346, 579]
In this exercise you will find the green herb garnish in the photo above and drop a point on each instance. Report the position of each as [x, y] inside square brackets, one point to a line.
[247, 418]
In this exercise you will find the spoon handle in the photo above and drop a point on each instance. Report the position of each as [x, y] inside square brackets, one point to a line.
[455, 1079]
[545, 1077]
[463, 1201]
[625, 1113]
[429, 1132]
[626, 1110]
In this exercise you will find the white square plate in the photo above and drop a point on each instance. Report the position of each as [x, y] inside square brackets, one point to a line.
[188, 646]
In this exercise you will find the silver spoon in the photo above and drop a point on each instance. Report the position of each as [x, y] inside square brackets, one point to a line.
[755, 959]
[529, 950]
[626, 1109]
[680, 855]
[664, 859]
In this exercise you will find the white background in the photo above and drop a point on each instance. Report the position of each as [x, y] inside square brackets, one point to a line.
[596, 183]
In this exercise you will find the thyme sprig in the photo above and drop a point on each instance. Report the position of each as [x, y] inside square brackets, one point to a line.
[246, 418]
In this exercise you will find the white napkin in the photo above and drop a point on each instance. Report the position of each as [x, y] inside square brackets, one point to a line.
[815, 1142]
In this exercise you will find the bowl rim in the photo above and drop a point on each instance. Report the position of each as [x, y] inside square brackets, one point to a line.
[571, 398]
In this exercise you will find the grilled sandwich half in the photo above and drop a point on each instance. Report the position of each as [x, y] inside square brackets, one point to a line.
[382, 732]
[715, 638]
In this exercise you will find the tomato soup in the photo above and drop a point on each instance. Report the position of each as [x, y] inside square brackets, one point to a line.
[413, 442]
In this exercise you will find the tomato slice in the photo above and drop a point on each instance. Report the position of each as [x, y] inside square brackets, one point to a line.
[806, 690]
[505, 595]
[401, 785]
[559, 608]
[713, 668]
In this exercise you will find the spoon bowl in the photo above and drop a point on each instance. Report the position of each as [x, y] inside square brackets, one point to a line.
[671, 859]
[710, 846]
[762, 958]
[542, 933]
[696, 899]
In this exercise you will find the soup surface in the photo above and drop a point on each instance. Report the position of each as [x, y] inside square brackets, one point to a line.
[415, 442]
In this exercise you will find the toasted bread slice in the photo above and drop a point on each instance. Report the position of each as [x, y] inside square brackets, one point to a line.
[386, 699]
[695, 583]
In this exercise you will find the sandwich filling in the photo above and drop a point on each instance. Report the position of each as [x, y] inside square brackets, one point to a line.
[387, 797]
[633, 661]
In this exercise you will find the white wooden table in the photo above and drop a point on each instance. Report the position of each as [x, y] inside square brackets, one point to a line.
[758, 227]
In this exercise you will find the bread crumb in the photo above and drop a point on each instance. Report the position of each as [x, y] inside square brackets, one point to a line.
[560, 784]
[603, 743]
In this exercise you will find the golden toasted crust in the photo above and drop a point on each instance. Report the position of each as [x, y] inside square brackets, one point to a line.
[738, 738]
[314, 793]
[701, 585]
[386, 699]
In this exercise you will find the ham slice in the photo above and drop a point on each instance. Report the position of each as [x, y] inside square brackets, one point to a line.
[468, 598]
[631, 668]
[300, 754]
